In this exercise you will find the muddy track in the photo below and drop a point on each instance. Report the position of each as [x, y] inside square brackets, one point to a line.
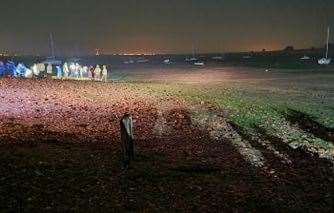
[308, 124]
[274, 161]
[211, 172]
[307, 172]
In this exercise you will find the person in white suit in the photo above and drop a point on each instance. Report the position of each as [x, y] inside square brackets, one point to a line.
[35, 70]
[77, 70]
[41, 68]
[28, 73]
[104, 73]
[65, 70]
[80, 69]
[97, 72]
[72, 69]
[85, 71]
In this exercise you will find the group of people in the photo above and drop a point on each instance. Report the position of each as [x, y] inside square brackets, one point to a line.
[65, 71]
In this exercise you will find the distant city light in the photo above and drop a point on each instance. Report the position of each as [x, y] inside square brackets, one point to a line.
[97, 52]
[135, 54]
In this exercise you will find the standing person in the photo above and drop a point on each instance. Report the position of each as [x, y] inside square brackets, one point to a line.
[49, 71]
[41, 68]
[11, 68]
[2, 69]
[28, 73]
[89, 72]
[65, 70]
[80, 71]
[21, 71]
[85, 72]
[76, 70]
[104, 74]
[35, 70]
[97, 72]
[92, 72]
[72, 70]
[59, 72]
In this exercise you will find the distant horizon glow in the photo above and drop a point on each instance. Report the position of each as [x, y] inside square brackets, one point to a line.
[139, 53]
[157, 27]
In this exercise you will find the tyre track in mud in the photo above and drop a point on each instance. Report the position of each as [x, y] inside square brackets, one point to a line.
[297, 175]
[308, 124]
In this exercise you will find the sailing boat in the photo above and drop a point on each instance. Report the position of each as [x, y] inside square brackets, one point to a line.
[52, 59]
[305, 58]
[326, 60]
[195, 60]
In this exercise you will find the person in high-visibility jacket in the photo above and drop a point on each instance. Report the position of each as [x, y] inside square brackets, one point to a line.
[104, 74]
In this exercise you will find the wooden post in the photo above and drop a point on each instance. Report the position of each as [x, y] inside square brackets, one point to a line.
[127, 140]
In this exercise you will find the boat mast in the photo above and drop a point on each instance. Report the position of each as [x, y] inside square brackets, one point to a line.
[193, 50]
[327, 43]
[52, 46]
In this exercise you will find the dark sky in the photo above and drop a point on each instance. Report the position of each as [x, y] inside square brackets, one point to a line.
[162, 26]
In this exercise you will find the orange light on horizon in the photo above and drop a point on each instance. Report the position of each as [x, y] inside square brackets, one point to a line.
[136, 53]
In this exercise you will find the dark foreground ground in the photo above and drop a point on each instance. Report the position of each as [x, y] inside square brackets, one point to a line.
[64, 176]
[60, 152]
[169, 175]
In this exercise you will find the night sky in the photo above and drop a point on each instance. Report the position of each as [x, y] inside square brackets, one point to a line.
[157, 26]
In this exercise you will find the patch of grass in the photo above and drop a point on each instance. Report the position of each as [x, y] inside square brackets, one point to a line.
[250, 105]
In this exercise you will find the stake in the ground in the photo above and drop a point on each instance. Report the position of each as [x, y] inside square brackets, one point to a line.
[127, 140]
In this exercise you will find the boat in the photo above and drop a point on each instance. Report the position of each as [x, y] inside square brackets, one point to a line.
[167, 61]
[326, 60]
[142, 60]
[130, 61]
[195, 60]
[305, 58]
[246, 57]
[199, 63]
[52, 59]
[74, 60]
[217, 58]
[193, 57]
